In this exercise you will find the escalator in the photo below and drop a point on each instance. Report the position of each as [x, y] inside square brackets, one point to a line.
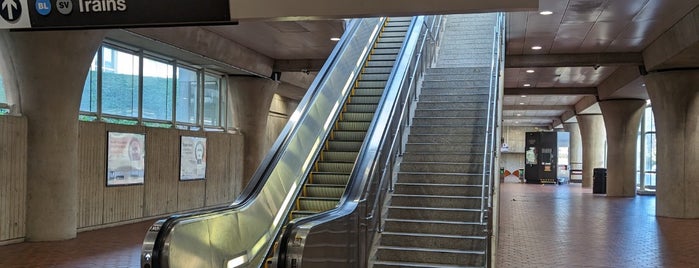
[308, 169]
[327, 181]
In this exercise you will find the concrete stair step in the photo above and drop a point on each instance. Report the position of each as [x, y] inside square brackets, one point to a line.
[446, 138]
[455, 97]
[447, 129]
[441, 201]
[445, 147]
[438, 189]
[428, 213]
[457, 83]
[455, 91]
[441, 167]
[396, 264]
[461, 70]
[442, 157]
[440, 178]
[451, 105]
[456, 242]
[449, 112]
[434, 227]
[437, 256]
[454, 121]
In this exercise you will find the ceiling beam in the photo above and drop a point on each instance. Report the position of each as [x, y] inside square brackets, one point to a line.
[307, 65]
[573, 60]
[538, 107]
[551, 91]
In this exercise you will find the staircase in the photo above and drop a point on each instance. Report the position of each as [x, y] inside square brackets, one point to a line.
[434, 214]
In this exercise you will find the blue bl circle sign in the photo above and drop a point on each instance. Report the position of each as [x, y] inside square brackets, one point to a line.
[10, 10]
[43, 7]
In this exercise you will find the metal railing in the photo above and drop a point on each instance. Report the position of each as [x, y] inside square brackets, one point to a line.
[343, 237]
[490, 145]
[241, 235]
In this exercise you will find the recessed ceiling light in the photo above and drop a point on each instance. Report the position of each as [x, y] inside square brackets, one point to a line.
[335, 39]
[530, 71]
[519, 114]
[536, 47]
[527, 85]
[524, 96]
[643, 85]
[521, 103]
[546, 12]
[516, 122]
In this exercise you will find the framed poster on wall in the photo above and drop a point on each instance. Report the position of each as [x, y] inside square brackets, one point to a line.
[192, 158]
[126, 154]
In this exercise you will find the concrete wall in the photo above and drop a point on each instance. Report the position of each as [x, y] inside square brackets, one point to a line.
[279, 113]
[13, 177]
[514, 137]
[162, 193]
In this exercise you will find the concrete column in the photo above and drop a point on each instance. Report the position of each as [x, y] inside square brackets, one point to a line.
[621, 120]
[49, 69]
[593, 134]
[251, 98]
[675, 99]
[576, 153]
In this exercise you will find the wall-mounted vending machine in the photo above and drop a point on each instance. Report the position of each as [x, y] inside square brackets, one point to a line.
[546, 157]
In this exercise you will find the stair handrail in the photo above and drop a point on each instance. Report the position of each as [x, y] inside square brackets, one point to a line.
[489, 150]
[358, 216]
[206, 238]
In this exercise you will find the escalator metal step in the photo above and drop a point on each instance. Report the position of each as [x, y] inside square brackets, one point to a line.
[368, 91]
[336, 167]
[353, 126]
[397, 29]
[349, 135]
[348, 157]
[357, 117]
[317, 204]
[330, 178]
[389, 45]
[344, 146]
[334, 191]
[377, 70]
[361, 108]
[393, 51]
[301, 214]
[381, 63]
[365, 99]
[374, 77]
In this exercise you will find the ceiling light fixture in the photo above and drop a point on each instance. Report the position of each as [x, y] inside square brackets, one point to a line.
[546, 12]
[524, 96]
[527, 85]
[530, 71]
[521, 103]
[335, 39]
[519, 114]
[536, 47]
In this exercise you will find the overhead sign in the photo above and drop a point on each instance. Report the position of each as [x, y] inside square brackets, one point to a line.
[14, 14]
[61, 14]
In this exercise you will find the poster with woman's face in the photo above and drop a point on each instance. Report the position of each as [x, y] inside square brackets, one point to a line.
[126, 154]
[192, 158]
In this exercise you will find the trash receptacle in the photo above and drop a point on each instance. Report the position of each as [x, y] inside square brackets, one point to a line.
[599, 182]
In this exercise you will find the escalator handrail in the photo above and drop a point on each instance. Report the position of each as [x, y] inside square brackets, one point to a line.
[163, 227]
[370, 153]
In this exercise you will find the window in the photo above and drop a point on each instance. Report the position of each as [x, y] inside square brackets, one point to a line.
[88, 103]
[647, 154]
[157, 90]
[127, 85]
[120, 84]
[187, 92]
[212, 101]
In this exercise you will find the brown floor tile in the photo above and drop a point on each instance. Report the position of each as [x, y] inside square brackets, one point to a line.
[568, 226]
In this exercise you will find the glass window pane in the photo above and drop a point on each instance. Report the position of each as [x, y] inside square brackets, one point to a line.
[3, 97]
[187, 85]
[650, 180]
[212, 101]
[650, 119]
[119, 82]
[650, 157]
[157, 90]
[88, 103]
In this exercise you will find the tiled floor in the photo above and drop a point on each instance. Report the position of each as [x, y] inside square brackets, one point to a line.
[540, 226]
[110, 247]
[568, 226]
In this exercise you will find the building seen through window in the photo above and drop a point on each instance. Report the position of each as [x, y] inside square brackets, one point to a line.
[133, 86]
[646, 160]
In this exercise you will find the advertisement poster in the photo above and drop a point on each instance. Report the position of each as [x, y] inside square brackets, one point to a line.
[126, 153]
[192, 158]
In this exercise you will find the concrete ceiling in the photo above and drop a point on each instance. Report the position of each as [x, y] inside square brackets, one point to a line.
[590, 50]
